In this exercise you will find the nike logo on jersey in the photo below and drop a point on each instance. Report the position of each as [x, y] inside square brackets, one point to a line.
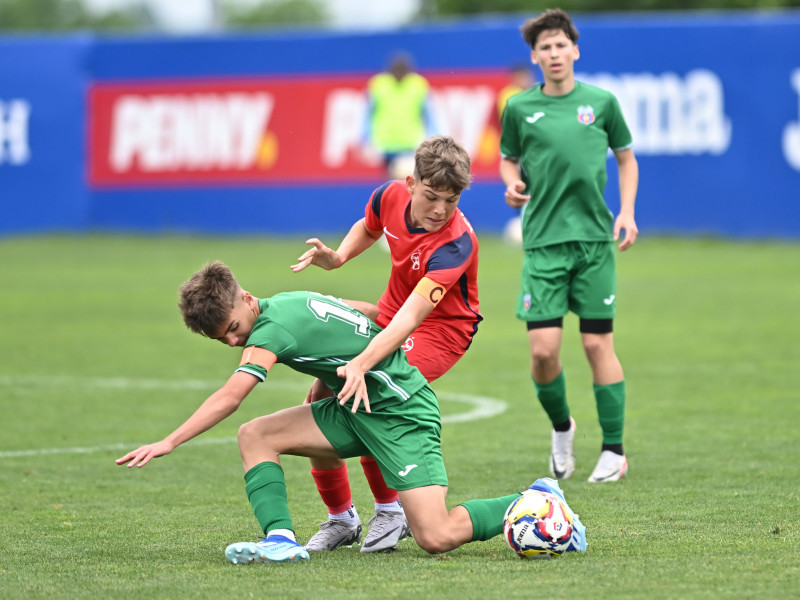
[407, 470]
[386, 231]
[536, 116]
[609, 300]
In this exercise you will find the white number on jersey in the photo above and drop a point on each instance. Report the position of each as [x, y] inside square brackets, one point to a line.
[324, 310]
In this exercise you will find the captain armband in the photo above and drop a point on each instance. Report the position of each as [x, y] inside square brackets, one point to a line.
[432, 291]
[261, 357]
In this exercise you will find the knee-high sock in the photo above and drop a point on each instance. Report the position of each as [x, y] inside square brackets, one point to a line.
[382, 493]
[610, 401]
[266, 489]
[553, 398]
[334, 488]
[487, 516]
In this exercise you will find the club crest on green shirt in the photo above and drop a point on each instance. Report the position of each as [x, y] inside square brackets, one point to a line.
[586, 115]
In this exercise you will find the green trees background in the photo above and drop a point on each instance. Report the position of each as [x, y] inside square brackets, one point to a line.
[435, 8]
[62, 15]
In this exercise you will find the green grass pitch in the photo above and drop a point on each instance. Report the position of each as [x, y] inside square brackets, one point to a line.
[96, 360]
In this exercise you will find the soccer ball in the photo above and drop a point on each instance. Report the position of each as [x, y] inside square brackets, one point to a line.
[537, 525]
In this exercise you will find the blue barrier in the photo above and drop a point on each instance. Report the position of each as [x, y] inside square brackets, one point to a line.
[42, 183]
[713, 102]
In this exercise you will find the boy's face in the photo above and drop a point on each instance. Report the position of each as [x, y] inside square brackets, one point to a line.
[237, 328]
[430, 208]
[555, 53]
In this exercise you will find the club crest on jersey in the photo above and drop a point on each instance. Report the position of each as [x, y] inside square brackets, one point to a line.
[526, 302]
[415, 260]
[408, 345]
[585, 115]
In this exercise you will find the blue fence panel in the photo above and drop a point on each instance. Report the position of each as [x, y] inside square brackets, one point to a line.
[42, 149]
[713, 101]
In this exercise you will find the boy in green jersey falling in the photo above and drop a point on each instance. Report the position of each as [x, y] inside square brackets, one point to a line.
[554, 146]
[399, 424]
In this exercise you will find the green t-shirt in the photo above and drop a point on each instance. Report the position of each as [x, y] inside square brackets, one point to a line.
[562, 145]
[316, 334]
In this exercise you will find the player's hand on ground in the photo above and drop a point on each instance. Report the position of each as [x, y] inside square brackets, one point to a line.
[514, 196]
[318, 391]
[355, 386]
[144, 454]
[319, 254]
[627, 223]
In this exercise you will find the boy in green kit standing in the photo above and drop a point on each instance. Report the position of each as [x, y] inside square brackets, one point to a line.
[554, 146]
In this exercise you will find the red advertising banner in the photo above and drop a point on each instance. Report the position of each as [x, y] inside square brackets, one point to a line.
[268, 130]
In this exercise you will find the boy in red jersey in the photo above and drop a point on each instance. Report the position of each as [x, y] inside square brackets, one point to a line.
[429, 308]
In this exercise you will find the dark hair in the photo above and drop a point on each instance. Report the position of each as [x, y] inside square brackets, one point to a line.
[443, 164]
[552, 18]
[207, 298]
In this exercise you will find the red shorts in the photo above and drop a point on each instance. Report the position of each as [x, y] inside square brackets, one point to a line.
[425, 351]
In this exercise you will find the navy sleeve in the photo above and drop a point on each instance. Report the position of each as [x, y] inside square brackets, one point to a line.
[453, 254]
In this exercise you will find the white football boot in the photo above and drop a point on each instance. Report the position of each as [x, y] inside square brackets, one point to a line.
[385, 530]
[333, 535]
[562, 458]
[610, 467]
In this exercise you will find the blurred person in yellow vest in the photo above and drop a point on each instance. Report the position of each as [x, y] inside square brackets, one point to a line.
[399, 115]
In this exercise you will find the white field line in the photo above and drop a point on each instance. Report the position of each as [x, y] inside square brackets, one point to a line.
[483, 407]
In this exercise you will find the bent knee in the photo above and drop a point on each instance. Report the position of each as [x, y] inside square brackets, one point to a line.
[251, 431]
[434, 544]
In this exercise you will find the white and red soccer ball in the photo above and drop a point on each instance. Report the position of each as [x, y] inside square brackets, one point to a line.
[537, 525]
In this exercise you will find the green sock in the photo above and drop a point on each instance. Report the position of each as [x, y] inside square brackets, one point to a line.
[487, 516]
[553, 398]
[266, 489]
[611, 410]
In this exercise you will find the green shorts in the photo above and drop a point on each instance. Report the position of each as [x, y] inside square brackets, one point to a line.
[574, 276]
[403, 437]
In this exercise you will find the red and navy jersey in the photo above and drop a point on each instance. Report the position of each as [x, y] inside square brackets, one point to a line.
[448, 256]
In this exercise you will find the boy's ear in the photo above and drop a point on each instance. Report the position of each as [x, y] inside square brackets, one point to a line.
[533, 57]
[410, 182]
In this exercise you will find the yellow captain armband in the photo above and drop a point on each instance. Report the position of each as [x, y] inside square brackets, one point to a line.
[432, 291]
[261, 357]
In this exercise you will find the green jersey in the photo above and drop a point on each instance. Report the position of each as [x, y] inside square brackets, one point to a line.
[316, 334]
[562, 144]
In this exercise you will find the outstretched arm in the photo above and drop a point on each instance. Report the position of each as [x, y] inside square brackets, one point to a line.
[358, 239]
[407, 319]
[217, 407]
[628, 185]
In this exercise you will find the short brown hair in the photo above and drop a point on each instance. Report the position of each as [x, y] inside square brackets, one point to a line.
[207, 298]
[552, 18]
[443, 164]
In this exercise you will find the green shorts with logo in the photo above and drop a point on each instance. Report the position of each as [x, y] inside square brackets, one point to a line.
[404, 437]
[574, 276]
